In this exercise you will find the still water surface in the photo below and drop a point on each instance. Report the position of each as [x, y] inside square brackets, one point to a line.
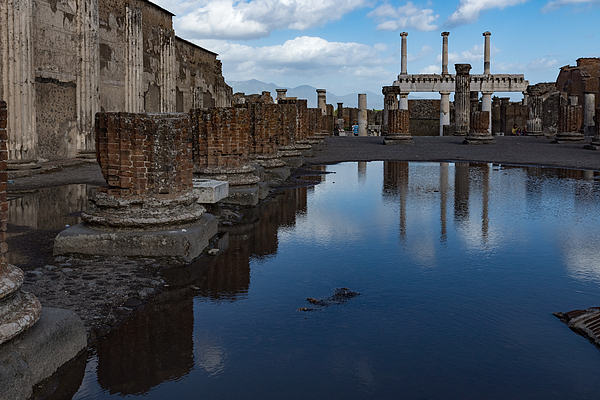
[459, 266]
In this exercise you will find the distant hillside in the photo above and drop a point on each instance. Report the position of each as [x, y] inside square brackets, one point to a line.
[374, 100]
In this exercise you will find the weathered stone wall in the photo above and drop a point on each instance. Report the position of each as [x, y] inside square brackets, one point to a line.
[264, 124]
[3, 182]
[144, 154]
[574, 80]
[505, 114]
[424, 117]
[78, 57]
[399, 121]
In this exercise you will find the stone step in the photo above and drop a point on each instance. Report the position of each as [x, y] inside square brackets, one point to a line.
[11, 280]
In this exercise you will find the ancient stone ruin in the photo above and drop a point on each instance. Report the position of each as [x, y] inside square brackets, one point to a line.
[19, 310]
[149, 206]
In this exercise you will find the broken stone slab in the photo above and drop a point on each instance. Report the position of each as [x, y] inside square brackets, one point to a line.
[263, 190]
[185, 243]
[583, 322]
[210, 191]
[243, 195]
[58, 337]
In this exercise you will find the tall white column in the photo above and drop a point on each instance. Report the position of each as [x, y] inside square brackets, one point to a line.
[88, 98]
[403, 104]
[444, 111]
[18, 78]
[362, 115]
[486, 53]
[445, 52]
[404, 57]
[486, 105]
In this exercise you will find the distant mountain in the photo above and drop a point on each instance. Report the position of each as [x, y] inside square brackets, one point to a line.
[374, 100]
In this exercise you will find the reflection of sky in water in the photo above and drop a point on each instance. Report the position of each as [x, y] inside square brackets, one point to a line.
[459, 270]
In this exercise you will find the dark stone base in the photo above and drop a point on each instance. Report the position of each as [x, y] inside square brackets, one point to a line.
[568, 137]
[38, 353]
[592, 146]
[22, 165]
[184, 243]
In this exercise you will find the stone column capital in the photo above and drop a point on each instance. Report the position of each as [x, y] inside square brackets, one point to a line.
[487, 33]
[445, 93]
[390, 90]
[404, 34]
[321, 91]
[487, 93]
[445, 34]
[462, 69]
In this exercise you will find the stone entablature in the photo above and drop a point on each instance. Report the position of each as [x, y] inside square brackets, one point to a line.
[446, 83]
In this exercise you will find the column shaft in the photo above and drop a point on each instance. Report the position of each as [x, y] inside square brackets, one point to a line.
[486, 55]
[486, 105]
[362, 115]
[404, 56]
[444, 111]
[445, 52]
[462, 99]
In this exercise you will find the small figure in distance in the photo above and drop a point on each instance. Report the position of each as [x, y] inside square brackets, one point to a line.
[515, 130]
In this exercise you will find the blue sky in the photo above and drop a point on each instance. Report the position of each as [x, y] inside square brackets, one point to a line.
[350, 46]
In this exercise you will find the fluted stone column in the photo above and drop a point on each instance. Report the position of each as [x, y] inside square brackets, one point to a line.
[18, 310]
[18, 80]
[168, 71]
[570, 119]
[479, 128]
[445, 53]
[444, 111]
[134, 92]
[404, 56]
[390, 102]
[398, 128]
[362, 115]
[88, 78]
[462, 97]
[322, 100]
[486, 53]
[534, 104]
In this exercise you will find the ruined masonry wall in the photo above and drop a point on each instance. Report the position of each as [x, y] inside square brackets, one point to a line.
[264, 136]
[398, 121]
[144, 154]
[221, 138]
[75, 58]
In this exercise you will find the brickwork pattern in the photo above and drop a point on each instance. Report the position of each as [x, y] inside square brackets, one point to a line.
[570, 118]
[221, 137]
[314, 126]
[398, 122]
[303, 119]
[480, 122]
[264, 133]
[3, 182]
[288, 124]
[144, 154]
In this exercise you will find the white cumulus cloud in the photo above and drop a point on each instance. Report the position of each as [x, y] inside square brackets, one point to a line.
[303, 56]
[407, 16]
[252, 19]
[468, 11]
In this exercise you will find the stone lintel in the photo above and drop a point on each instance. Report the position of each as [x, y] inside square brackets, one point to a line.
[210, 191]
[183, 243]
[445, 83]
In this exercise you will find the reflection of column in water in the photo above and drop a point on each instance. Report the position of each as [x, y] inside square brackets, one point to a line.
[395, 183]
[443, 199]
[461, 191]
[362, 171]
[485, 217]
[403, 188]
[49, 208]
[154, 347]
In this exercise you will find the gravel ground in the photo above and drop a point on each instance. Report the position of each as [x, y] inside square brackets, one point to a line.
[105, 291]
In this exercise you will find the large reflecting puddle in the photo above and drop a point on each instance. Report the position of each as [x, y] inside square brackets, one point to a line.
[459, 266]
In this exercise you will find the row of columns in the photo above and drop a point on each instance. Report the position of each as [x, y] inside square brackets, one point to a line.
[445, 96]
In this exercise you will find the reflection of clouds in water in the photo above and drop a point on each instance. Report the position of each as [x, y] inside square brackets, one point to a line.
[581, 254]
[209, 355]
[364, 371]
